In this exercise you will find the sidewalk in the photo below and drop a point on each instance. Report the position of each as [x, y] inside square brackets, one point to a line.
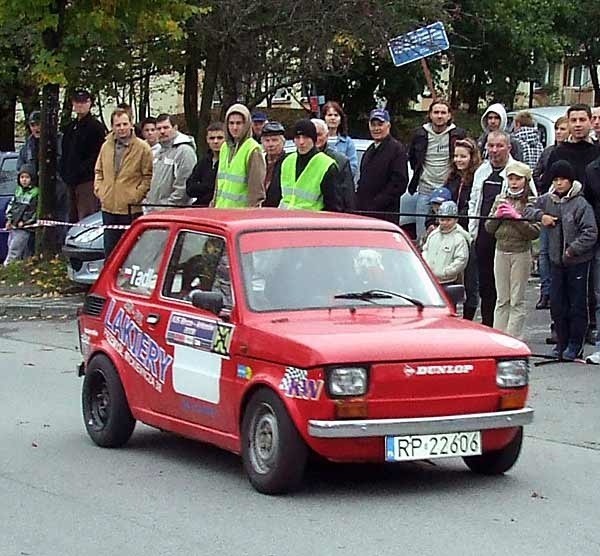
[30, 306]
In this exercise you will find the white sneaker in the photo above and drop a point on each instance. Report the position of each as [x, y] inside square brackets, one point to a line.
[593, 359]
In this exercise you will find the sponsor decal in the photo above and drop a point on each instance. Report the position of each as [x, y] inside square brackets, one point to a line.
[244, 371]
[199, 333]
[198, 407]
[140, 279]
[423, 370]
[296, 384]
[135, 346]
[91, 332]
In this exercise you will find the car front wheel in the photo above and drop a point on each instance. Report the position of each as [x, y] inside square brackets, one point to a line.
[106, 413]
[497, 461]
[273, 452]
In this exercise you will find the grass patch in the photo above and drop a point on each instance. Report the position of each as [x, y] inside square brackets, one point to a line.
[36, 276]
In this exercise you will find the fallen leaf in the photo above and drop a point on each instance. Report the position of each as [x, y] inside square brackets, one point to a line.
[34, 444]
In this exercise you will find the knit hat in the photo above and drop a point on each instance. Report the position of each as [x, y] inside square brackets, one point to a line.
[561, 169]
[28, 169]
[519, 169]
[448, 209]
[440, 195]
[306, 128]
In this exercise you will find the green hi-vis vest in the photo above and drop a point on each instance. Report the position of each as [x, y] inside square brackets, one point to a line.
[304, 193]
[232, 176]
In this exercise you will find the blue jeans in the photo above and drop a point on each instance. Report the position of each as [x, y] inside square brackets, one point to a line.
[422, 207]
[544, 263]
[568, 304]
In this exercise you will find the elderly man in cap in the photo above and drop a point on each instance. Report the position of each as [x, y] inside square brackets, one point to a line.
[383, 171]
[259, 120]
[308, 177]
[81, 143]
[273, 141]
[29, 151]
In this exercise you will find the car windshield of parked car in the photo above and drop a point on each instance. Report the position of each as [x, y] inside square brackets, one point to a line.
[317, 269]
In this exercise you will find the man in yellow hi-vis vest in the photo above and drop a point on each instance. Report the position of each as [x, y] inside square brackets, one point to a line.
[241, 172]
[308, 176]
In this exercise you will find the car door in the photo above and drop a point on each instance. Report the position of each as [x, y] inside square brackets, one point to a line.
[199, 340]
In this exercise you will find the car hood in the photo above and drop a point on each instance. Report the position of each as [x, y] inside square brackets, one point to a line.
[88, 234]
[369, 337]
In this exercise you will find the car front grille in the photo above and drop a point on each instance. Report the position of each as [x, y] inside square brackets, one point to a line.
[93, 305]
[76, 263]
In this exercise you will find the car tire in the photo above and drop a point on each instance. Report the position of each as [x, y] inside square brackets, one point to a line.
[106, 414]
[273, 452]
[497, 461]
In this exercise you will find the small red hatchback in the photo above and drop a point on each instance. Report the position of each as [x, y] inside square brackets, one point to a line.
[275, 334]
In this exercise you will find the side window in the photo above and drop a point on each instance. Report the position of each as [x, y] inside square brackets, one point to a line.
[199, 261]
[8, 176]
[139, 272]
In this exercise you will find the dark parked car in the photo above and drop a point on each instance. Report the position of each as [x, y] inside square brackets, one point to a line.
[8, 184]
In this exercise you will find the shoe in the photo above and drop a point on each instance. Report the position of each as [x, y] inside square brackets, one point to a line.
[543, 302]
[572, 352]
[557, 352]
[593, 359]
[552, 339]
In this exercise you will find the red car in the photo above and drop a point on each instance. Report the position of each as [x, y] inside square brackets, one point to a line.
[275, 334]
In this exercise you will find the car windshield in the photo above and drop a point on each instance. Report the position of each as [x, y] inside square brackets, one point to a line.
[318, 269]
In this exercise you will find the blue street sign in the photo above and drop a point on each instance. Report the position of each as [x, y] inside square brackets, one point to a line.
[418, 44]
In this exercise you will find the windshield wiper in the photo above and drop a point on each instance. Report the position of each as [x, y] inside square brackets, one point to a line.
[369, 295]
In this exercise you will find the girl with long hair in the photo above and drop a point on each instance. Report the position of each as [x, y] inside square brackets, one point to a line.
[337, 124]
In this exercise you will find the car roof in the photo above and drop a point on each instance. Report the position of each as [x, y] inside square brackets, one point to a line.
[549, 112]
[8, 154]
[244, 220]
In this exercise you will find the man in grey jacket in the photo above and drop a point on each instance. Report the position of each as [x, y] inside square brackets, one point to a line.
[173, 165]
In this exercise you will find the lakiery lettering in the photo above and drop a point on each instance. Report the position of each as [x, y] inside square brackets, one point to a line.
[148, 358]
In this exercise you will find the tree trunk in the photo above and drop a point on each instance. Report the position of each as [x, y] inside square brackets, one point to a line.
[190, 97]
[144, 107]
[47, 239]
[209, 85]
[595, 82]
[8, 106]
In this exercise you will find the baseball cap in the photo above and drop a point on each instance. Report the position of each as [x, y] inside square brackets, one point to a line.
[440, 195]
[379, 114]
[81, 95]
[518, 169]
[35, 117]
[273, 128]
[448, 209]
[259, 117]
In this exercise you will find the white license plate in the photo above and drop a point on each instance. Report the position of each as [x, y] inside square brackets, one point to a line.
[431, 446]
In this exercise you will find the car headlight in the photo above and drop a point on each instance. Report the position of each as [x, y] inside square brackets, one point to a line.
[512, 373]
[347, 381]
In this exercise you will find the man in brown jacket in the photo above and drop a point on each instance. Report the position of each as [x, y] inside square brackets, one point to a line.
[123, 176]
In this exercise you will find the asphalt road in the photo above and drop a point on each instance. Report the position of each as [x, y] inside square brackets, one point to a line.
[163, 495]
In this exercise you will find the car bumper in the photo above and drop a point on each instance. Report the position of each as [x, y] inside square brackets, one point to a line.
[363, 428]
[83, 265]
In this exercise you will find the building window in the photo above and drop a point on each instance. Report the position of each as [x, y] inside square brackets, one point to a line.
[578, 76]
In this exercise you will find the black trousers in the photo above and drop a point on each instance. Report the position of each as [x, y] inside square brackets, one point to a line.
[112, 237]
[485, 249]
[568, 304]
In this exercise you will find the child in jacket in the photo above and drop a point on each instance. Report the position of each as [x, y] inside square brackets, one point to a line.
[446, 250]
[20, 212]
[512, 259]
[572, 236]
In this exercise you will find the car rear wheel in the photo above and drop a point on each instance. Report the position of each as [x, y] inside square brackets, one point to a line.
[273, 452]
[498, 461]
[106, 413]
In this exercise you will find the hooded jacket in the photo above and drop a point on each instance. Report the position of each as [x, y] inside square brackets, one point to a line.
[173, 165]
[23, 205]
[117, 190]
[531, 146]
[256, 167]
[515, 146]
[573, 239]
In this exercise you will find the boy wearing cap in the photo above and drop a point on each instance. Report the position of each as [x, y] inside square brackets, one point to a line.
[446, 250]
[308, 177]
[383, 171]
[572, 235]
[81, 144]
[512, 258]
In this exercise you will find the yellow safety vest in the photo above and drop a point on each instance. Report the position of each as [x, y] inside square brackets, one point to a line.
[232, 176]
[305, 192]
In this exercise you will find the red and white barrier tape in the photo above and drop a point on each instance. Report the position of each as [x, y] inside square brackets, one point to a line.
[40, 223]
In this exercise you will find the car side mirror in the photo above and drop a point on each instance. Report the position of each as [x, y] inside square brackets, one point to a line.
[209, 301]
[456, 293]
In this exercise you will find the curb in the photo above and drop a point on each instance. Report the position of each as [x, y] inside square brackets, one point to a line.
[15, 308]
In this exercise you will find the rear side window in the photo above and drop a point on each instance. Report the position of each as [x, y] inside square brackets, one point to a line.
[139, 273]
